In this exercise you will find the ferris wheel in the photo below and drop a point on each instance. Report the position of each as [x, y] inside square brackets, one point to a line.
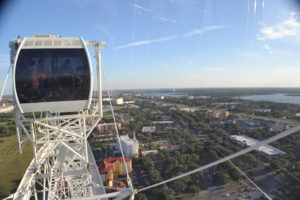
[53, 88]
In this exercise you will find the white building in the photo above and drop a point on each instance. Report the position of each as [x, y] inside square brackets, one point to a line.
[129, 102]
[6, 109]
[188, 109]
[119, 101]
[148, 129]
[130, 146]
[252, 142]
[163, 122]
[144, 153]
[106, 99]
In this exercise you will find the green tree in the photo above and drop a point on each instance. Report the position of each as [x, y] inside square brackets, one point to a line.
[140, 196]
[193, 189]
[221, 178]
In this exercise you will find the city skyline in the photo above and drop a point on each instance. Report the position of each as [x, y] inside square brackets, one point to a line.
[172, 44]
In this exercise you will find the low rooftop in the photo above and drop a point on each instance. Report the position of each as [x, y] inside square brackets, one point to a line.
[251, 142]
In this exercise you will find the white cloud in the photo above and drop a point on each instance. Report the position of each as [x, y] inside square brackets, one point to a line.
[192, 33]
[287, 28]
[201, 10]
[202, 30]
[167, 20]
[155, 16]
[142, 8]
[145, 42]
[251, 55]
[268, 48]
[189, 62]
[288, 70]
[213, 69]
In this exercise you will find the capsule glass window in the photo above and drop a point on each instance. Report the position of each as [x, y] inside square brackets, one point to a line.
[51, 75]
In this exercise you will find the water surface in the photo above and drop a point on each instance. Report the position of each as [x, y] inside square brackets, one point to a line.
[278, 98]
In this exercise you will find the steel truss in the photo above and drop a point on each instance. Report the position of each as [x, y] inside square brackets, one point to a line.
[63, 165]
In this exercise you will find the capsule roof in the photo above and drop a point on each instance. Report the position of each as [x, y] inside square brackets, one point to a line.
[38, 42]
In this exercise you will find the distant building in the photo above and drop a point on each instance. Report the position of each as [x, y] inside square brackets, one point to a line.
[255, 123]
[217, 114]
[163, 122]
[119, 101]
[264, 110]
[130, 146]
[165, 145]
[188, 109]
[132, 106]
[244, 140]
[166, 118]
[108, 166]
[124, 118]
[108, 127]
[105, 136]
[204, 97]
[216, 122]
[155, 111]
[129, 102]
[231, 121]
[105, 131]
[173, 147]
[249, 124]
[148, 129]
[144, 153]
[106, 99]
[5, 108]
[162, 144]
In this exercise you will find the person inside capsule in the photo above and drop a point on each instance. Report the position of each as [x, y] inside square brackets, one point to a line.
[38, 77]
[51, 75]
[66, 68]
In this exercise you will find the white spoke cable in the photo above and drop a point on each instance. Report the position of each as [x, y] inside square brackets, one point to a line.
[4, 84]
[117, 132]
[222, 160]
[245, 175]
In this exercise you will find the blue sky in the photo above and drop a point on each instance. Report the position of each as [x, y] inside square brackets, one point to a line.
[172, 43]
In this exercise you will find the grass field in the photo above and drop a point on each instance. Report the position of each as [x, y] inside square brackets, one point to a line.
[289, 121]
[12, 164]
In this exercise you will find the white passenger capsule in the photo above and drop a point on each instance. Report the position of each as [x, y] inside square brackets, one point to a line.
[52, 73]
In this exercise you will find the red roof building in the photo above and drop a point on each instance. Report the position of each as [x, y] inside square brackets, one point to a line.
[110, 166]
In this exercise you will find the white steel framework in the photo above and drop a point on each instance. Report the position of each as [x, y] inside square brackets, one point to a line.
[63, 166]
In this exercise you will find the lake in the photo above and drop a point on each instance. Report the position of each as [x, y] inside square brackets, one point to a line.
[278, 98]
